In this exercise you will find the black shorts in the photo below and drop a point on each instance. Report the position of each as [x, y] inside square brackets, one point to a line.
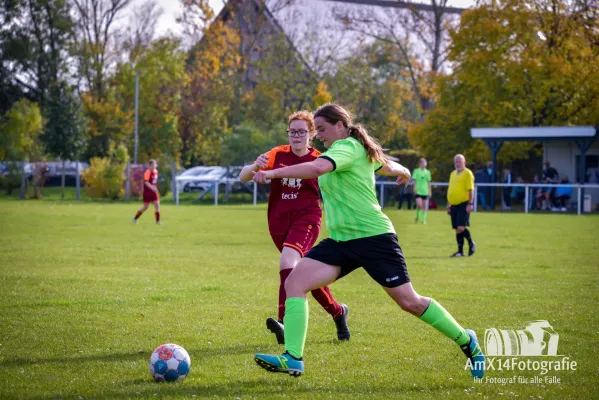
[379, 255]
[459, 215]
[420, 196]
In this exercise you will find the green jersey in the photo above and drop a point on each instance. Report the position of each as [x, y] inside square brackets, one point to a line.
[422, 177]
[351, 208]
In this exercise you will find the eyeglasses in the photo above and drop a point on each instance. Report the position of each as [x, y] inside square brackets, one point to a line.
[300, 133]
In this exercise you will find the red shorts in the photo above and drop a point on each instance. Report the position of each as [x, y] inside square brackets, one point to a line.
[150, 197]
[301, 237]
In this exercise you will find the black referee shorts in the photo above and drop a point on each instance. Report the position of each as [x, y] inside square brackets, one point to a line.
[379, 255]
[459, 215]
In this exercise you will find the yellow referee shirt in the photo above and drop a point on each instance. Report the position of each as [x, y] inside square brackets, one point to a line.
[459, 185]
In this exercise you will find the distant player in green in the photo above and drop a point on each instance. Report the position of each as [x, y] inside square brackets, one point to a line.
[361, 236]
[422, 177]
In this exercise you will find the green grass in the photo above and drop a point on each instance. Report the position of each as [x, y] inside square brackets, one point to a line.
[87, 296]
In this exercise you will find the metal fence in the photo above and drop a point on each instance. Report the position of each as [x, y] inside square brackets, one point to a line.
[381, 185]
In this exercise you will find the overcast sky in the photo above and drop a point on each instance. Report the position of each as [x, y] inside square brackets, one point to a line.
[172, 9]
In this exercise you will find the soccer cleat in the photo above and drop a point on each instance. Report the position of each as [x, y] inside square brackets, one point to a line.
[283, 363]
[134, 221]
[159, 223]
[472, 249]
[457, 254]
[341, 323]
[277, 328]
[475, 355]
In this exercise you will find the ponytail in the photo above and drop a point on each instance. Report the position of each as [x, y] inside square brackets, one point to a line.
[374, 150]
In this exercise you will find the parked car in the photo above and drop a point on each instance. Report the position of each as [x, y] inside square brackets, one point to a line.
[204, 178]
[209, 174]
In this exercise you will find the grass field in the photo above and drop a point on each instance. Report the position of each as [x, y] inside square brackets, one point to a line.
[87, 296]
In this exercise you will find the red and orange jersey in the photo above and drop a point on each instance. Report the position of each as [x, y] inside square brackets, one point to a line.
[291, 198]
[152, 177]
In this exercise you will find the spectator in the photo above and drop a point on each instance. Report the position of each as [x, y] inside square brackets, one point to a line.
[550, 172]
[492, 179]
[539, 193]
[482, 192]
[406, 193]
[507, 178]
[490, 170]
[562, 196]
[517, 192]
[548, 192]
[593, 175]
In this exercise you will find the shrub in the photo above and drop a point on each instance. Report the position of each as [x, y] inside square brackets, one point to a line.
[104, 179]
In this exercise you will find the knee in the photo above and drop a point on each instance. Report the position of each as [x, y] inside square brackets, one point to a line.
[294, 287]
[286, 263]
[413, 304]
[459, 229]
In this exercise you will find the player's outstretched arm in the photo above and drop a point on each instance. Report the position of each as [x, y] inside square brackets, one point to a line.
[247, 172]
[307, 170]
[391, 168]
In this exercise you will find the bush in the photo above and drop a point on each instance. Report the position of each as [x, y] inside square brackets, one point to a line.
[12, 179]
[104, 179]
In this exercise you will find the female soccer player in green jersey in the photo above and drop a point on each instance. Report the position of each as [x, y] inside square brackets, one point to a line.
[361, 236]
[422, 179]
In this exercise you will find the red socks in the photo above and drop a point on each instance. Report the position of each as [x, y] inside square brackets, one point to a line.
[283, 274]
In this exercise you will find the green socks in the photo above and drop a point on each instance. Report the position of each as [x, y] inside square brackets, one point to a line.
[417, 214]
[424, 216]
[296, 325]
[438, 317]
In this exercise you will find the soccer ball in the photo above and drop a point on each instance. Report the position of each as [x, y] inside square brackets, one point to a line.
[169, 362]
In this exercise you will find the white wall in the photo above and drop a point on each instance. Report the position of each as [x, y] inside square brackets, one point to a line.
[562, 156]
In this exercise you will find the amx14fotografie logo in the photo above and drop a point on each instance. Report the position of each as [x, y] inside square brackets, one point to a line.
[533, 348]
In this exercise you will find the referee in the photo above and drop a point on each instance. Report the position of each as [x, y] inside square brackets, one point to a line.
[460, 198]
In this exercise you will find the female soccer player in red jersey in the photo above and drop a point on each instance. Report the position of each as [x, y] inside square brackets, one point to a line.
[294, 216]
[150, 192]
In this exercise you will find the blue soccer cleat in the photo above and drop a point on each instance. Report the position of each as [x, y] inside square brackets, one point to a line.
[475, 355]
[283, 363]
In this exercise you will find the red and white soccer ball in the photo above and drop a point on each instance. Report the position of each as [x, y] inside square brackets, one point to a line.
[169, 362]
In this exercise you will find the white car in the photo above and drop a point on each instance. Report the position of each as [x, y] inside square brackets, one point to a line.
[201, 178]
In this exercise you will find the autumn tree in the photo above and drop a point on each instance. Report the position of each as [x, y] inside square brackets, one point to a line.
[210, 96]
[515, 63]
[371, 85]
[109, 123]
[162, 80]
[416, 31]
[94, 44]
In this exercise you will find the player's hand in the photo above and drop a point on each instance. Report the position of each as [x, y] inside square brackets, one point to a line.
[155, 188]
[469, 208]
[262, 176]
[404, 177]
[448, 208]
[261, 161]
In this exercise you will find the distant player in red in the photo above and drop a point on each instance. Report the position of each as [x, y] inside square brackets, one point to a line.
[294, 216]
[150, 192]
